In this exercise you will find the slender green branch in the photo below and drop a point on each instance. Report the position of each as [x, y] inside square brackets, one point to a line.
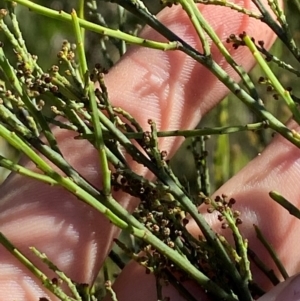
[263, 267]
[278, 198]
[9, 72]
[193, 13]
[272, 252]
[58, 272]
[56, 290]
[192, 9]
[232, 6]
[6, 163]
[63, 16]
[81, 16]
[257, 107]
[216, 69]
[121, 219]
[222, 130]
[242, 245]
[83, 68]
[200, 157]
[279, 62]
[100, 145]
[18, 42]
[152, 21]
[274, 80]
[279, 31]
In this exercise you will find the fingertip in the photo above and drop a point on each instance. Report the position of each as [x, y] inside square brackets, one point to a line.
[288, 290]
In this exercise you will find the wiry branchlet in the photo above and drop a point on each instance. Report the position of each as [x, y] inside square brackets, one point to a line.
[236, 41]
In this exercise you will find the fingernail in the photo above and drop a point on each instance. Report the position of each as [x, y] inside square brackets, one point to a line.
[291, 292]
[288, 290]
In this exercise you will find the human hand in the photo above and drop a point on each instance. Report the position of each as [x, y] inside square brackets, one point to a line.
[166, 87]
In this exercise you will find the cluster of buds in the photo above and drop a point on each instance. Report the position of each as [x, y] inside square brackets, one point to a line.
[223, 205]
[237, 41]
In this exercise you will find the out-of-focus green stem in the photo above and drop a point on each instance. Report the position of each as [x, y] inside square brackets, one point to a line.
[192, 9]
[222, 164]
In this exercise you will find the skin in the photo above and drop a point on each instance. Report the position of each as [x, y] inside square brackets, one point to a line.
[175, 92]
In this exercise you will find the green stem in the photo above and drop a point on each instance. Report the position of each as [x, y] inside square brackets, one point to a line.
[8, 164]
[278, 198]
[274, 80]
[99, 143]
[63, 16]
[189, 7]
[217, 70]
[232, 6]
[256, 106]
[121, 219]
[58, 272]
[192, 9]
[282, 34]
[81, 16]
[222, 130]
[83, 68]
[180, 195]
[56, 290]
[272, 252]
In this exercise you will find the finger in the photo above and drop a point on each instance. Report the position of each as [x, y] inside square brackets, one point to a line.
[173, 89]
[167, 87]
[277, 168]
[135, 276]
[287, 291]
